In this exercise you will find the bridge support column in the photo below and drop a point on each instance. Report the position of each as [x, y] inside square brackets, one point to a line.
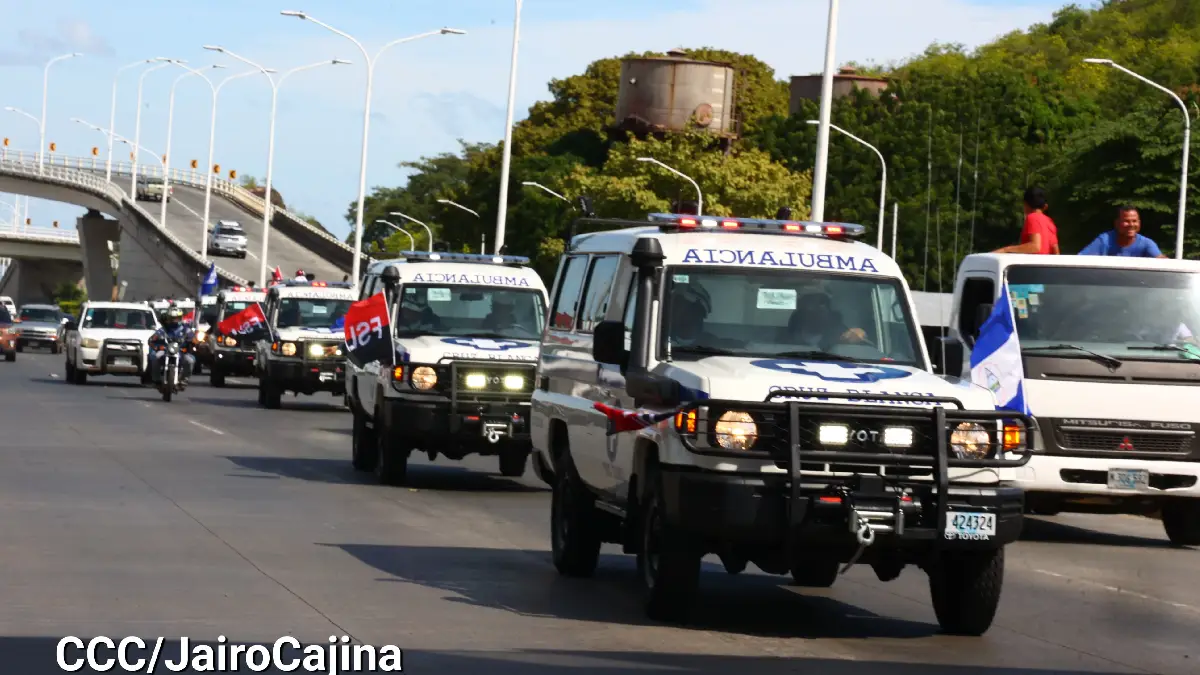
[34, 281]
[96, 235]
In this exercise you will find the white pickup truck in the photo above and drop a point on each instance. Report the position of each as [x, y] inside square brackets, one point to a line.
[1111, 368]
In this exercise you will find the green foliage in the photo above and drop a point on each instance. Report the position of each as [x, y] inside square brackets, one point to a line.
[69, 297]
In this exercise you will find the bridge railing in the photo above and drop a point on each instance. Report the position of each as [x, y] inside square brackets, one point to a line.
[191, 178]
[24, 164]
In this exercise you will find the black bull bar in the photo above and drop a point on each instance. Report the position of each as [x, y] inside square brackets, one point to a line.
[792, 444]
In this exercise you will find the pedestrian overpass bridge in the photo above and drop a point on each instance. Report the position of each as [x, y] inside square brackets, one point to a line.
[155, 258]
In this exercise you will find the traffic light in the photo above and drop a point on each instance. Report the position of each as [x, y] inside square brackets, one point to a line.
[232, 174]
[164, 159]
[29, 221]
[52, 147]
[216, 168]
[56, 223]
[131, 156]
[6, 142]
[195, 163]
[95, 151]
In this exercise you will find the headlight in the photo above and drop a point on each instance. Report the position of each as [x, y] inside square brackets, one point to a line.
[970, 441]
[315, 350]
[736, 430]
[90, 343]
[514, 382]
[423, 378]
[833, 434]
[230, 342]
[201, 335]
[474, 380]
[898, 437]
[288, 349]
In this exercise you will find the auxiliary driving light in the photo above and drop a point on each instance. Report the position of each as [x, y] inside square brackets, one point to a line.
[315, 350]
[833, 434]
[475, 381]
[514, 382]
[898, 437]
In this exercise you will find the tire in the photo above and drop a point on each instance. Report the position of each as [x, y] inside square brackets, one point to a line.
[54, 349]
[19, 347]
[668, 561]
[69, 372]
[513, 462]
[198, 369]
[965, 587]
[262, 392]
[815, 572]
[363, 448]
[272, 395]
[1181, 520]
[10, 356]
[216, 378]
[574, 528]
[391, 463]
[80, 376]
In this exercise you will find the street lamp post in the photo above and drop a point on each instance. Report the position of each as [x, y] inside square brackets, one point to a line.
[882, 180]
[166, 182]
[506, 158]
[112, 115]
[268, 205]
[120, 139]
[362, 169]
[412, 243]
[45, 96]
[1187, 139]
[410, 219]
[137, 123]
[543, 188]
[699, 194]
[212, 139]
[822, 161]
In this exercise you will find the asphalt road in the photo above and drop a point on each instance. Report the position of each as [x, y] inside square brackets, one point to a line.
[122, 515]
[185, 213]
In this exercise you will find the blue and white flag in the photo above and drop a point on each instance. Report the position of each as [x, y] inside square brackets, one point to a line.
[209, 286]
[996, 357]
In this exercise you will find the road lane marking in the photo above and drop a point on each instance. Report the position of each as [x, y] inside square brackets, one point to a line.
[208, 428]
[1122, 591]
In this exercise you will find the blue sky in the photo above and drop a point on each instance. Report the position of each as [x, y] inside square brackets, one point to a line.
[427, 93]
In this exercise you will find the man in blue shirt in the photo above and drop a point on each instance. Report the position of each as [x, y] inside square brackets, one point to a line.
[1123, 239]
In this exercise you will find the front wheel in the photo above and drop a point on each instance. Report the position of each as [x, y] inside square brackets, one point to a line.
[512, 462]
[1181, 520]
[574, 530]
[10, 356]
[168, 383]
[362, 443]
[391, 463]
[965, 587]
[216, 378]
[668, 561]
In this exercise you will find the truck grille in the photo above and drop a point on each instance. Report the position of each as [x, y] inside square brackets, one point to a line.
[1126, 444]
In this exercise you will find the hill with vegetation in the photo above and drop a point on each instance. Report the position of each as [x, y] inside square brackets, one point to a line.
[964, 133]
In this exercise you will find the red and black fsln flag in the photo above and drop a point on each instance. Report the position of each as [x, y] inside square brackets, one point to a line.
[368, 333]
[620, 420]
[248, 325]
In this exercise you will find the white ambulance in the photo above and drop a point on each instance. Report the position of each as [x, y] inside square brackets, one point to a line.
[305, 352]
[466, 329]
[802, 428]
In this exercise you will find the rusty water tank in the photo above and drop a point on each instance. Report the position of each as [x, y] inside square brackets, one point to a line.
[845, 82]
[675, 93]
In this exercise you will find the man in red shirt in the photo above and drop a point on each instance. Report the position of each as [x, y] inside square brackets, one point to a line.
[1040, 235]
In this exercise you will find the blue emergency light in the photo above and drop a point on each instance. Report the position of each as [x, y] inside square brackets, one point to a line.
[675, 222]
[442, 256]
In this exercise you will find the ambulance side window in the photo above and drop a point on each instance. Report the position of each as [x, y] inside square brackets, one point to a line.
[597, 292]
[630, 307]
[566, 299]
[368, 287]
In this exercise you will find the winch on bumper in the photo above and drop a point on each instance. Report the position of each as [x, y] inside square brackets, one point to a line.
[832, 495]
[473, 407]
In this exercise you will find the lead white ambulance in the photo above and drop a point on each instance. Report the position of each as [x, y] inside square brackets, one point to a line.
[802, 428]
[466, 330]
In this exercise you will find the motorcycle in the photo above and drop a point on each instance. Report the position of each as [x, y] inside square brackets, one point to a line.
[169, 377]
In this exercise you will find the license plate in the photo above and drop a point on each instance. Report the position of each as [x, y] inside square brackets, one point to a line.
[326, 377]
[970, 526]
[1128, 479]
[122, 361]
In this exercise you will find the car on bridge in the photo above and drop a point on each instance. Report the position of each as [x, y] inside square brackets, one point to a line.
[8, 336]
[38, 327]
[228, 239]
[305, 352]
[468, 327]
[151, 189]
[111, 339]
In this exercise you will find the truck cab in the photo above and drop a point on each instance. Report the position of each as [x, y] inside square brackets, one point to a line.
[1111, 372]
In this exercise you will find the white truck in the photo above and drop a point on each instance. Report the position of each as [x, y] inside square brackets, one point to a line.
[789, 418]
[466, 330]
[1111, 373]
[109, 338]
[305, 353]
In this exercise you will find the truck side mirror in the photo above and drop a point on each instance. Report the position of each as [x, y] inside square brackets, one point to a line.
[955, 350]
[608, 344]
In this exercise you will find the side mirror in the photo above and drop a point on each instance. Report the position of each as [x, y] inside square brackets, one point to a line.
[955, 351]
[608, 343]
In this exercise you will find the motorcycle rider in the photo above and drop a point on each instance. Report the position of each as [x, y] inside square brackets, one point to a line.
[173, 330]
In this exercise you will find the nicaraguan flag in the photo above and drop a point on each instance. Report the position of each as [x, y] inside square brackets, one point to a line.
[210, 281]
[996, 357]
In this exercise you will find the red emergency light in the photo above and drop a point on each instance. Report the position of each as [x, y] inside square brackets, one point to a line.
[675, 222]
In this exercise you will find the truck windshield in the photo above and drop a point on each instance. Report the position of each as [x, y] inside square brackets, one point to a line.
[470, 311]
[230, 230]
[43, 314]
[309, 312]
[1121, 312]
[770, 313]
[131, 319]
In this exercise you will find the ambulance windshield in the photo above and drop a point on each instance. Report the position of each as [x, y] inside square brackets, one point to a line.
[470, 311]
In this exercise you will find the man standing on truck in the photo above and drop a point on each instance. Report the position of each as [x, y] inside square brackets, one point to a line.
[1039, 236]
[1123, 240]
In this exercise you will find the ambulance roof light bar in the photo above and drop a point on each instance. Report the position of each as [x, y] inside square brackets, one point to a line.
[296, 283]
[676, 222]
[444, 256]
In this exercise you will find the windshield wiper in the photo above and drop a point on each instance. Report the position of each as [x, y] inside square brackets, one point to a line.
[704, 349]
[818, 354]
[1166, 347]
[1112, 362]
